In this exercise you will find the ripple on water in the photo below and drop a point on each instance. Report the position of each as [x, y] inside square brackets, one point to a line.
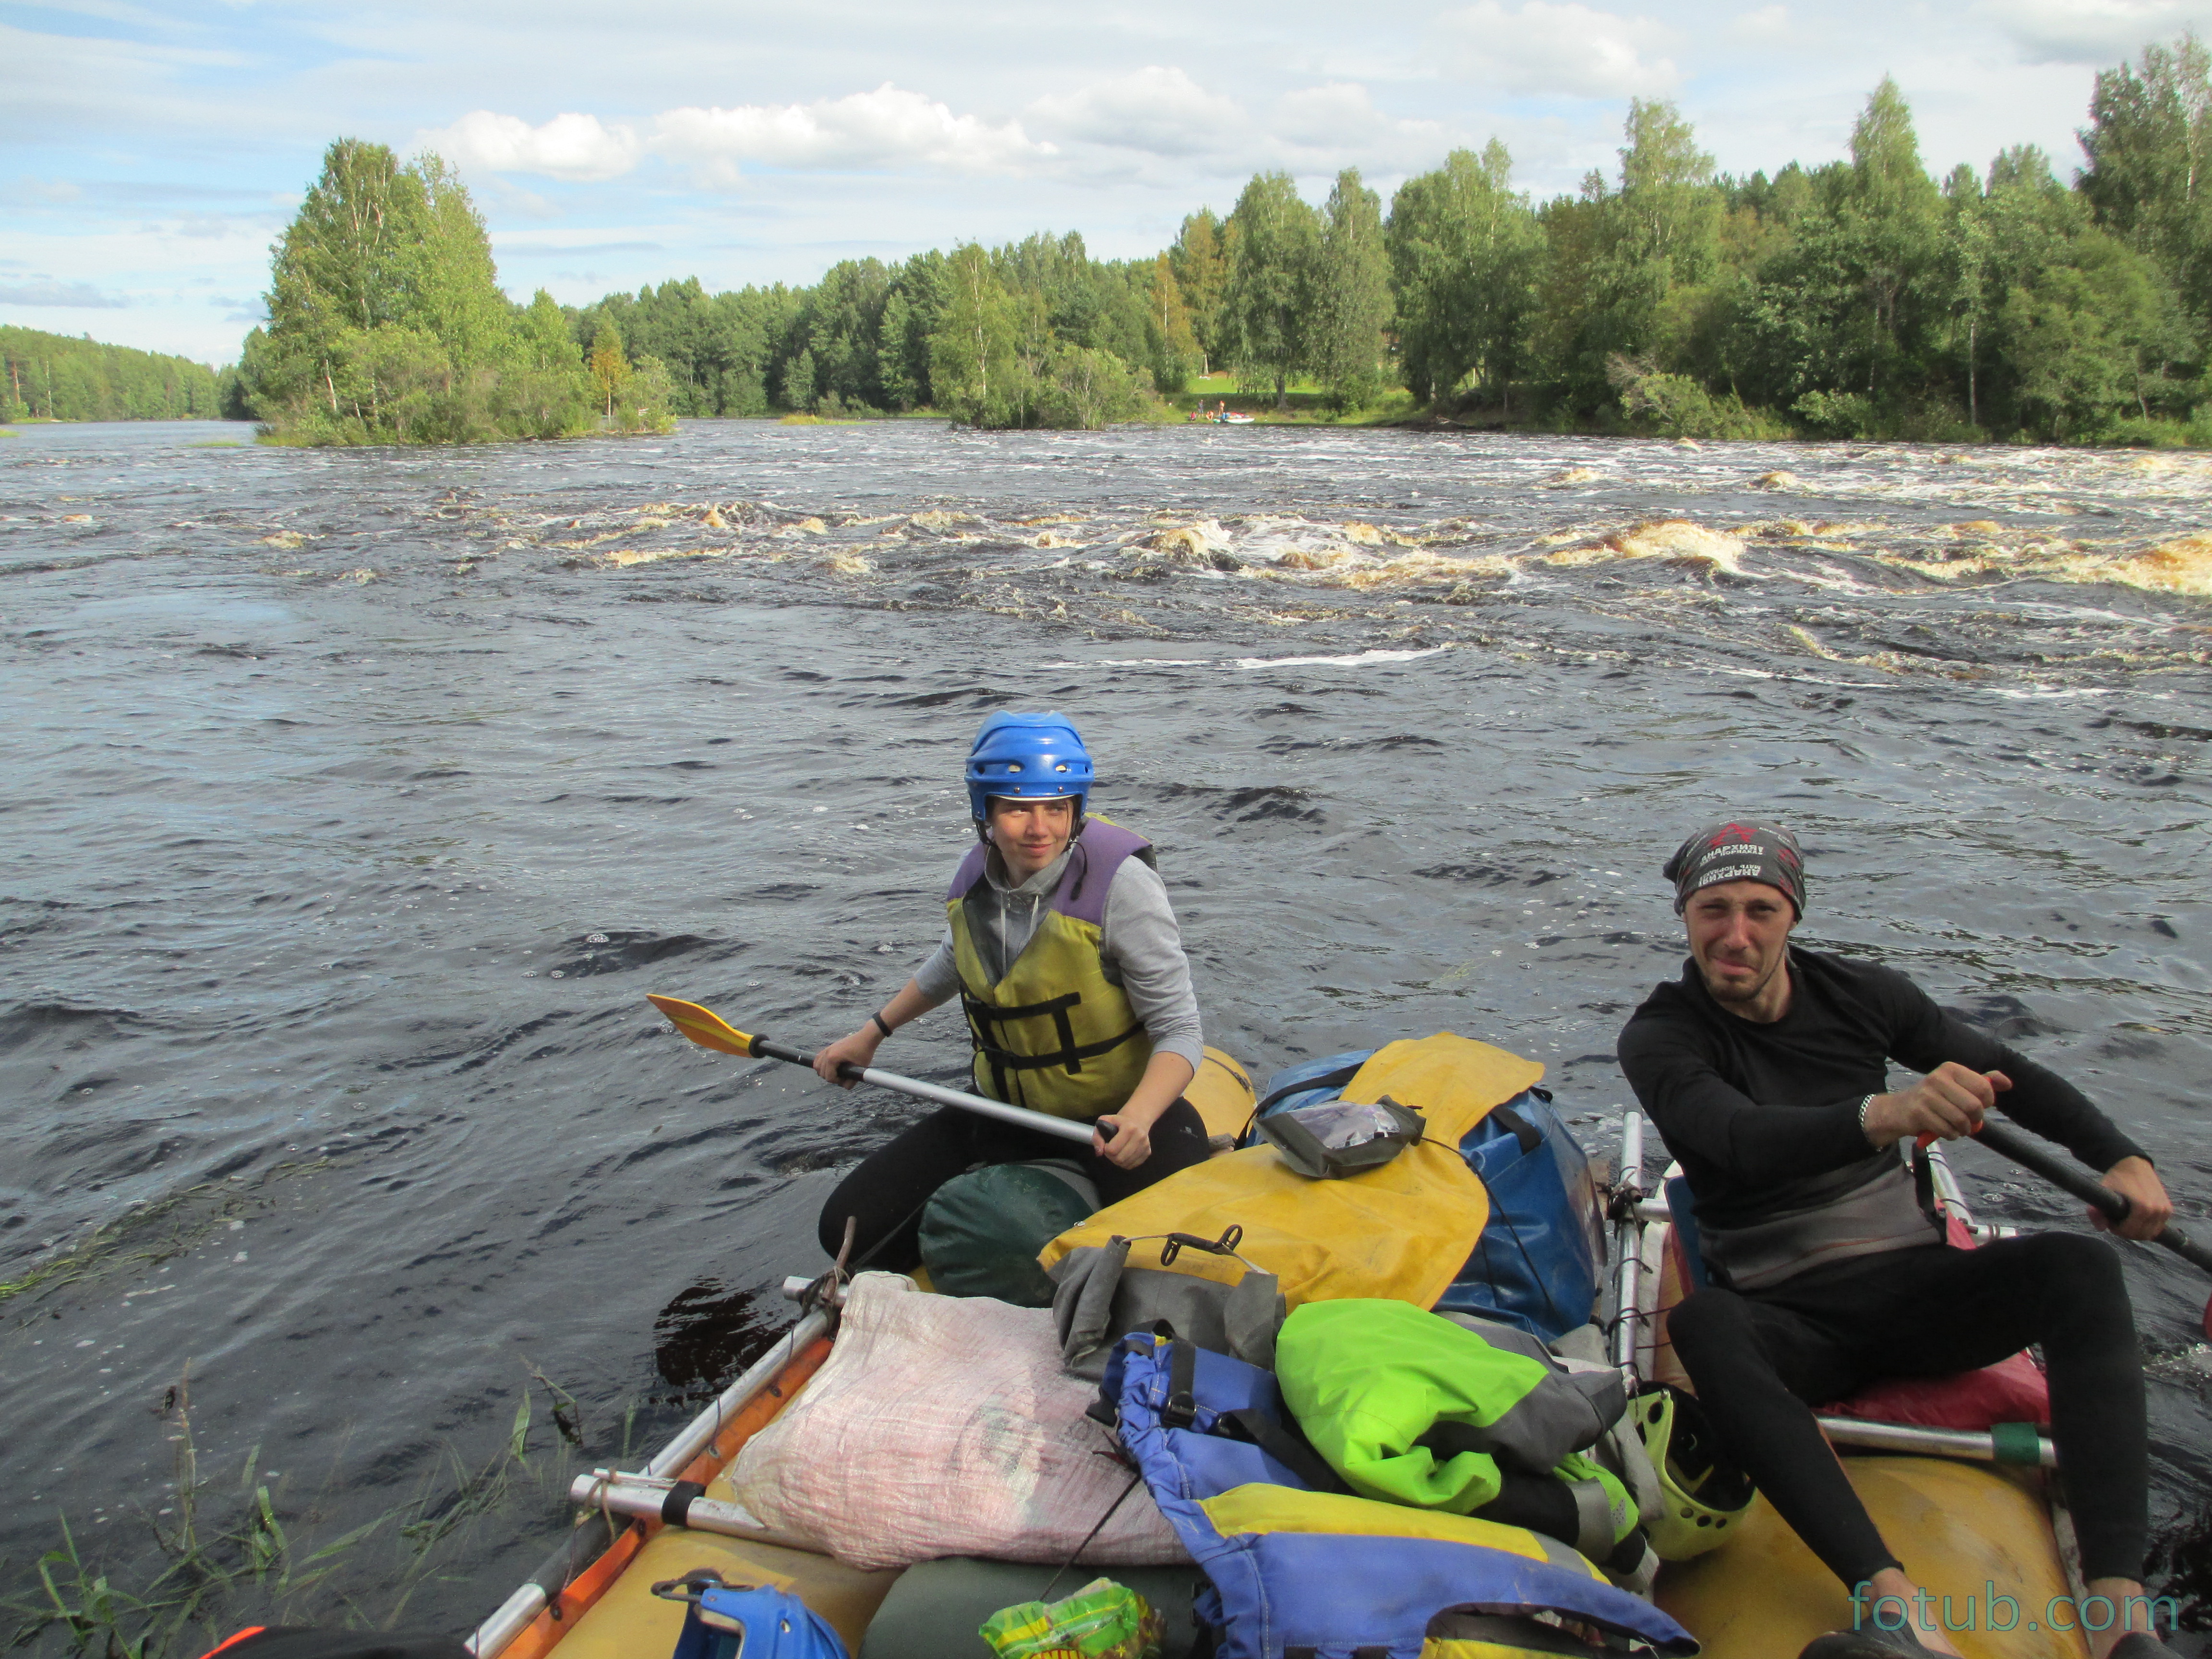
[356, 799]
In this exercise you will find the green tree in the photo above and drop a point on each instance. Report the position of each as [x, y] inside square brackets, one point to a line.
[910, 315]
[53, 377]
[1890, 226]
[542, 338]
[1627, 271]
[1271, 282]
[1202, 256]
[1176, 350]
[609, 365]
[453, 285]
[1965, 271]
[2149, 145]
[973, 365]
[387, 321]
[1463, 249]
[2090, 337]
[1351, 294]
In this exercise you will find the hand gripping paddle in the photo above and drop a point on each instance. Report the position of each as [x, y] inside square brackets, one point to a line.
[708, 1029]
[2031, 1155]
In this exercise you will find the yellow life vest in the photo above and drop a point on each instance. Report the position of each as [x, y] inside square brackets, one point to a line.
[1055, 1034]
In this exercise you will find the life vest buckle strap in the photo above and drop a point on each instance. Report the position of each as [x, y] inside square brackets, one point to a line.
[1180, 1410]
[1071, 1054]
[989, 1012]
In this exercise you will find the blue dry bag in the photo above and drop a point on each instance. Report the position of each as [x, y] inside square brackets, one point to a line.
[730, 1621]
[1537, 1263]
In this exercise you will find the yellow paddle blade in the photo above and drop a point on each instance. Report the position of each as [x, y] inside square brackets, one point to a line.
[702, 1025]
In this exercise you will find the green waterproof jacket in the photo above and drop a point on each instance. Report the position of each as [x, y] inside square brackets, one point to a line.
[1411, 1409]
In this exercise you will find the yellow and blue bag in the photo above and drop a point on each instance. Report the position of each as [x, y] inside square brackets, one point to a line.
[1292, 1568]
[1537, 1262]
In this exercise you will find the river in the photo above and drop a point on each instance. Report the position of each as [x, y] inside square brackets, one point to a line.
[356, 799]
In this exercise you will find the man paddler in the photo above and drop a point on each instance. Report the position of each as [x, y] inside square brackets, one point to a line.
[1065, 954]
[1765, 1069]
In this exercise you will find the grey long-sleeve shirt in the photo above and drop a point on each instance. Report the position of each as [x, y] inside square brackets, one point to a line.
[1139, 947]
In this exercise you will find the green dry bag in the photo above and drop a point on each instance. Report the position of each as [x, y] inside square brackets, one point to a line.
[982, 1231]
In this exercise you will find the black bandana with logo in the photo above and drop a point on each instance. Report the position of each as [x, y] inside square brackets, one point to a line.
[1748, 849]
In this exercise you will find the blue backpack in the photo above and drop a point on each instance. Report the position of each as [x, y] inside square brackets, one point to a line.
[1537, 1265]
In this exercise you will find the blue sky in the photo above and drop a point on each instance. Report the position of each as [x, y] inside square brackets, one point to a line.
[150, 153]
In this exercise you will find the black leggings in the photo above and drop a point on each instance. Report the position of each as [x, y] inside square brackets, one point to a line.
[1757, 1360]
[887, 1192]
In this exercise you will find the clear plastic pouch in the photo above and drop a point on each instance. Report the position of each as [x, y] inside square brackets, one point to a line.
[1333, 1138]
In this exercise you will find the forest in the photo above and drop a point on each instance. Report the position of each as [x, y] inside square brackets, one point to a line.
[1859, 299]
[388, 325]
[52, 377]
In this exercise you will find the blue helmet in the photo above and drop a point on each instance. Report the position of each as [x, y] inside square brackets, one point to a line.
[1028, 757]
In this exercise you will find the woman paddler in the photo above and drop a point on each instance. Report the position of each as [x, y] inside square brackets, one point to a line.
[1065, 956]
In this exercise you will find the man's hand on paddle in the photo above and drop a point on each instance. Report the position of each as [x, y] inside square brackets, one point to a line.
[2148, 1207]
[1947, 1103]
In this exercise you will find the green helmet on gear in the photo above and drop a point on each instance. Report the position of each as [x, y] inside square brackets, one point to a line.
[1705, 1494]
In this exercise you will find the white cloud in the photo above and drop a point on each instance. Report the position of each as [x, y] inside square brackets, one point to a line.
[1561, 48]
[1338, 125]
[74, 295]
[2095, 32]
[884, 129]
[577, 147]
[26, 192]
[1767, 23]
[1161, 112]
[1336, 115]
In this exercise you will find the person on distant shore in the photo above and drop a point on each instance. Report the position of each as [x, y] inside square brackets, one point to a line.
[1064, 951]
[1765, 1068]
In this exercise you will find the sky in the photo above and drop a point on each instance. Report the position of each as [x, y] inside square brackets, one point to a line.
[150, 153]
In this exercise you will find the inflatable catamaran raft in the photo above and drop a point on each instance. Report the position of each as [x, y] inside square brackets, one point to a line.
[905, 1463]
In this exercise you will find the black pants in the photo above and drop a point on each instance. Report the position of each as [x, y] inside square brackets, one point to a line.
[887, 1192]
[1758, 1358]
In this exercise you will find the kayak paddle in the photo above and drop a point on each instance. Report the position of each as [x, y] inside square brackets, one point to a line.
[708, 1030]
[2031, 1155]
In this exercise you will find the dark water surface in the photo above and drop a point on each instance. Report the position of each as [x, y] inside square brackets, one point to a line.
[354, 802]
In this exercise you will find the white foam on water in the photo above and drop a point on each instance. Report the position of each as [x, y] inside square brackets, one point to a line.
[1358, 659]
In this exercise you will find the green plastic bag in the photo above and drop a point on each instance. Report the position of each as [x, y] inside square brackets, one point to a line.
[1101, 1620]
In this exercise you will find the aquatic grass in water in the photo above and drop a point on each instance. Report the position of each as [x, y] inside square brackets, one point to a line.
[159, 1231]
[249, 1566]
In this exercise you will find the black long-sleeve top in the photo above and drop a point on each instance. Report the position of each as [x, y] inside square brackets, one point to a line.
[1756, 1113]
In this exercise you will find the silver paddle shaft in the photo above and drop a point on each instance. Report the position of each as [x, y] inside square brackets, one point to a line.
[1020, 1115]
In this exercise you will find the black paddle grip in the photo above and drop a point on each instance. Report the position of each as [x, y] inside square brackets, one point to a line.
[784, 1051]
[2031, 1155]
